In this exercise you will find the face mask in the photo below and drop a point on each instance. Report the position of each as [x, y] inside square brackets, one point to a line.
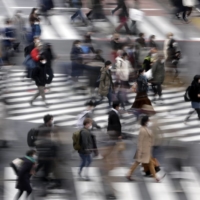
[36, 12]
[90, 127]
[44, 62]
[78, 45]
[35, 157]
[163, 60]
[170, 37]
[110, 67]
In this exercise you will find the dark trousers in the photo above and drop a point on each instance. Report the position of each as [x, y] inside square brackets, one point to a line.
[191, 112]
[157, 88]
[49, 72]
[85, 161]
[29, 191]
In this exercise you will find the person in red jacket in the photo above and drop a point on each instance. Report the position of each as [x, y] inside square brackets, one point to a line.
[35, 53]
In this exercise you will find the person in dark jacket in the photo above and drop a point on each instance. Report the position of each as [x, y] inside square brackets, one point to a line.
[86, 146]
[77, 60]
[141, 41]
[141, 98]
[40, 77]
[158, 73]
[123, 16]
[25, 173]
[152, 42]
[194, 94]
[49, 55]
[114, 124]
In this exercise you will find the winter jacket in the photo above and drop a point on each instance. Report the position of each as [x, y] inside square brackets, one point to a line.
[105, 82]
[123, 69]
[85, 141]
[39, 75]
[35, 54]
[158, 71]
[76, 54]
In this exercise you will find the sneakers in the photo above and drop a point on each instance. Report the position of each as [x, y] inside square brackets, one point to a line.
[99, 157]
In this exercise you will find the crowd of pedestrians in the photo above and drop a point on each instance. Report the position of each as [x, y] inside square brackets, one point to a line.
[138, 66]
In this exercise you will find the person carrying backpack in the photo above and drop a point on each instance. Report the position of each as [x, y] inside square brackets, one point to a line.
[25, 172]
[194, 95]
[82, 142]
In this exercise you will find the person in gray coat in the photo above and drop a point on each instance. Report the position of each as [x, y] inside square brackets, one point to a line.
[86, 145]
[158, 73]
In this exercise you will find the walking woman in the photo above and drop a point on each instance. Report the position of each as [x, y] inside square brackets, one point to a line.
[194, 94]
[141, 96]
[35, 22]
[144, 150]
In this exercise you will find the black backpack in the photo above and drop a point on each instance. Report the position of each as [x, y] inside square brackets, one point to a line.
[32, 137]
[187, 94]
[141, 85]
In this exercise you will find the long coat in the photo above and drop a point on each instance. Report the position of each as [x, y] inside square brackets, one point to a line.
[158, 72]
[144, 145]
[105, 82]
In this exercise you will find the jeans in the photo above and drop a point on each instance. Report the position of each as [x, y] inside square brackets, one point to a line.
[109, 96]
[77, 13]
[85, 161]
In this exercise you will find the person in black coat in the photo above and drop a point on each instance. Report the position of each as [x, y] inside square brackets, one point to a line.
[114, 124]
[25, 172]
[40, 77]
[49, 55]
[194, 94]
[152, 42]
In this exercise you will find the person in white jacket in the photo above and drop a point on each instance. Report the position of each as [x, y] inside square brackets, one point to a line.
[123, 70]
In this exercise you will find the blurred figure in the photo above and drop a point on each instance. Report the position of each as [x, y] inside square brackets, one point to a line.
[123, 70]
[123, 16]
[120, 4]
[194, 94]
[19, 24]
[78, 4]
[141, 40]
[152, 42]
[147, 63]
[158, 74]
[88, 113]
[31, 46]
[34, 21]
[144, 148]
[77, 60]
[106, 83]
[141, 96]
[87, 44]
[25, 173]
[47, 150]
[46, 6]
[86, 145]
[114, 125]
[50, 57]
[40, 77]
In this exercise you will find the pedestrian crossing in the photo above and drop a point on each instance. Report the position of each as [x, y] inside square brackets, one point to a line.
[142, 189]
[65, 104]
[59, 27]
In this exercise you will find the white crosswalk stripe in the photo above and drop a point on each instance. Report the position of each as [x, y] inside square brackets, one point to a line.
[66, 104]
[96, 187]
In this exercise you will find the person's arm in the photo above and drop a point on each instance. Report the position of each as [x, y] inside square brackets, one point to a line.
[84, 140]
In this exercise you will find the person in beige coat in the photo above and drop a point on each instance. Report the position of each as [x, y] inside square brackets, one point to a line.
[144, 149]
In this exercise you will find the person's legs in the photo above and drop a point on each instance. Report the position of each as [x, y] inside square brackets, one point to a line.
[42, 93]
[83, 162]
[132, 169]
[19, 194]
[109, 96]
[35, 96]
[117, 8]
[159, 89]
[189, 115]
[198, 112]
